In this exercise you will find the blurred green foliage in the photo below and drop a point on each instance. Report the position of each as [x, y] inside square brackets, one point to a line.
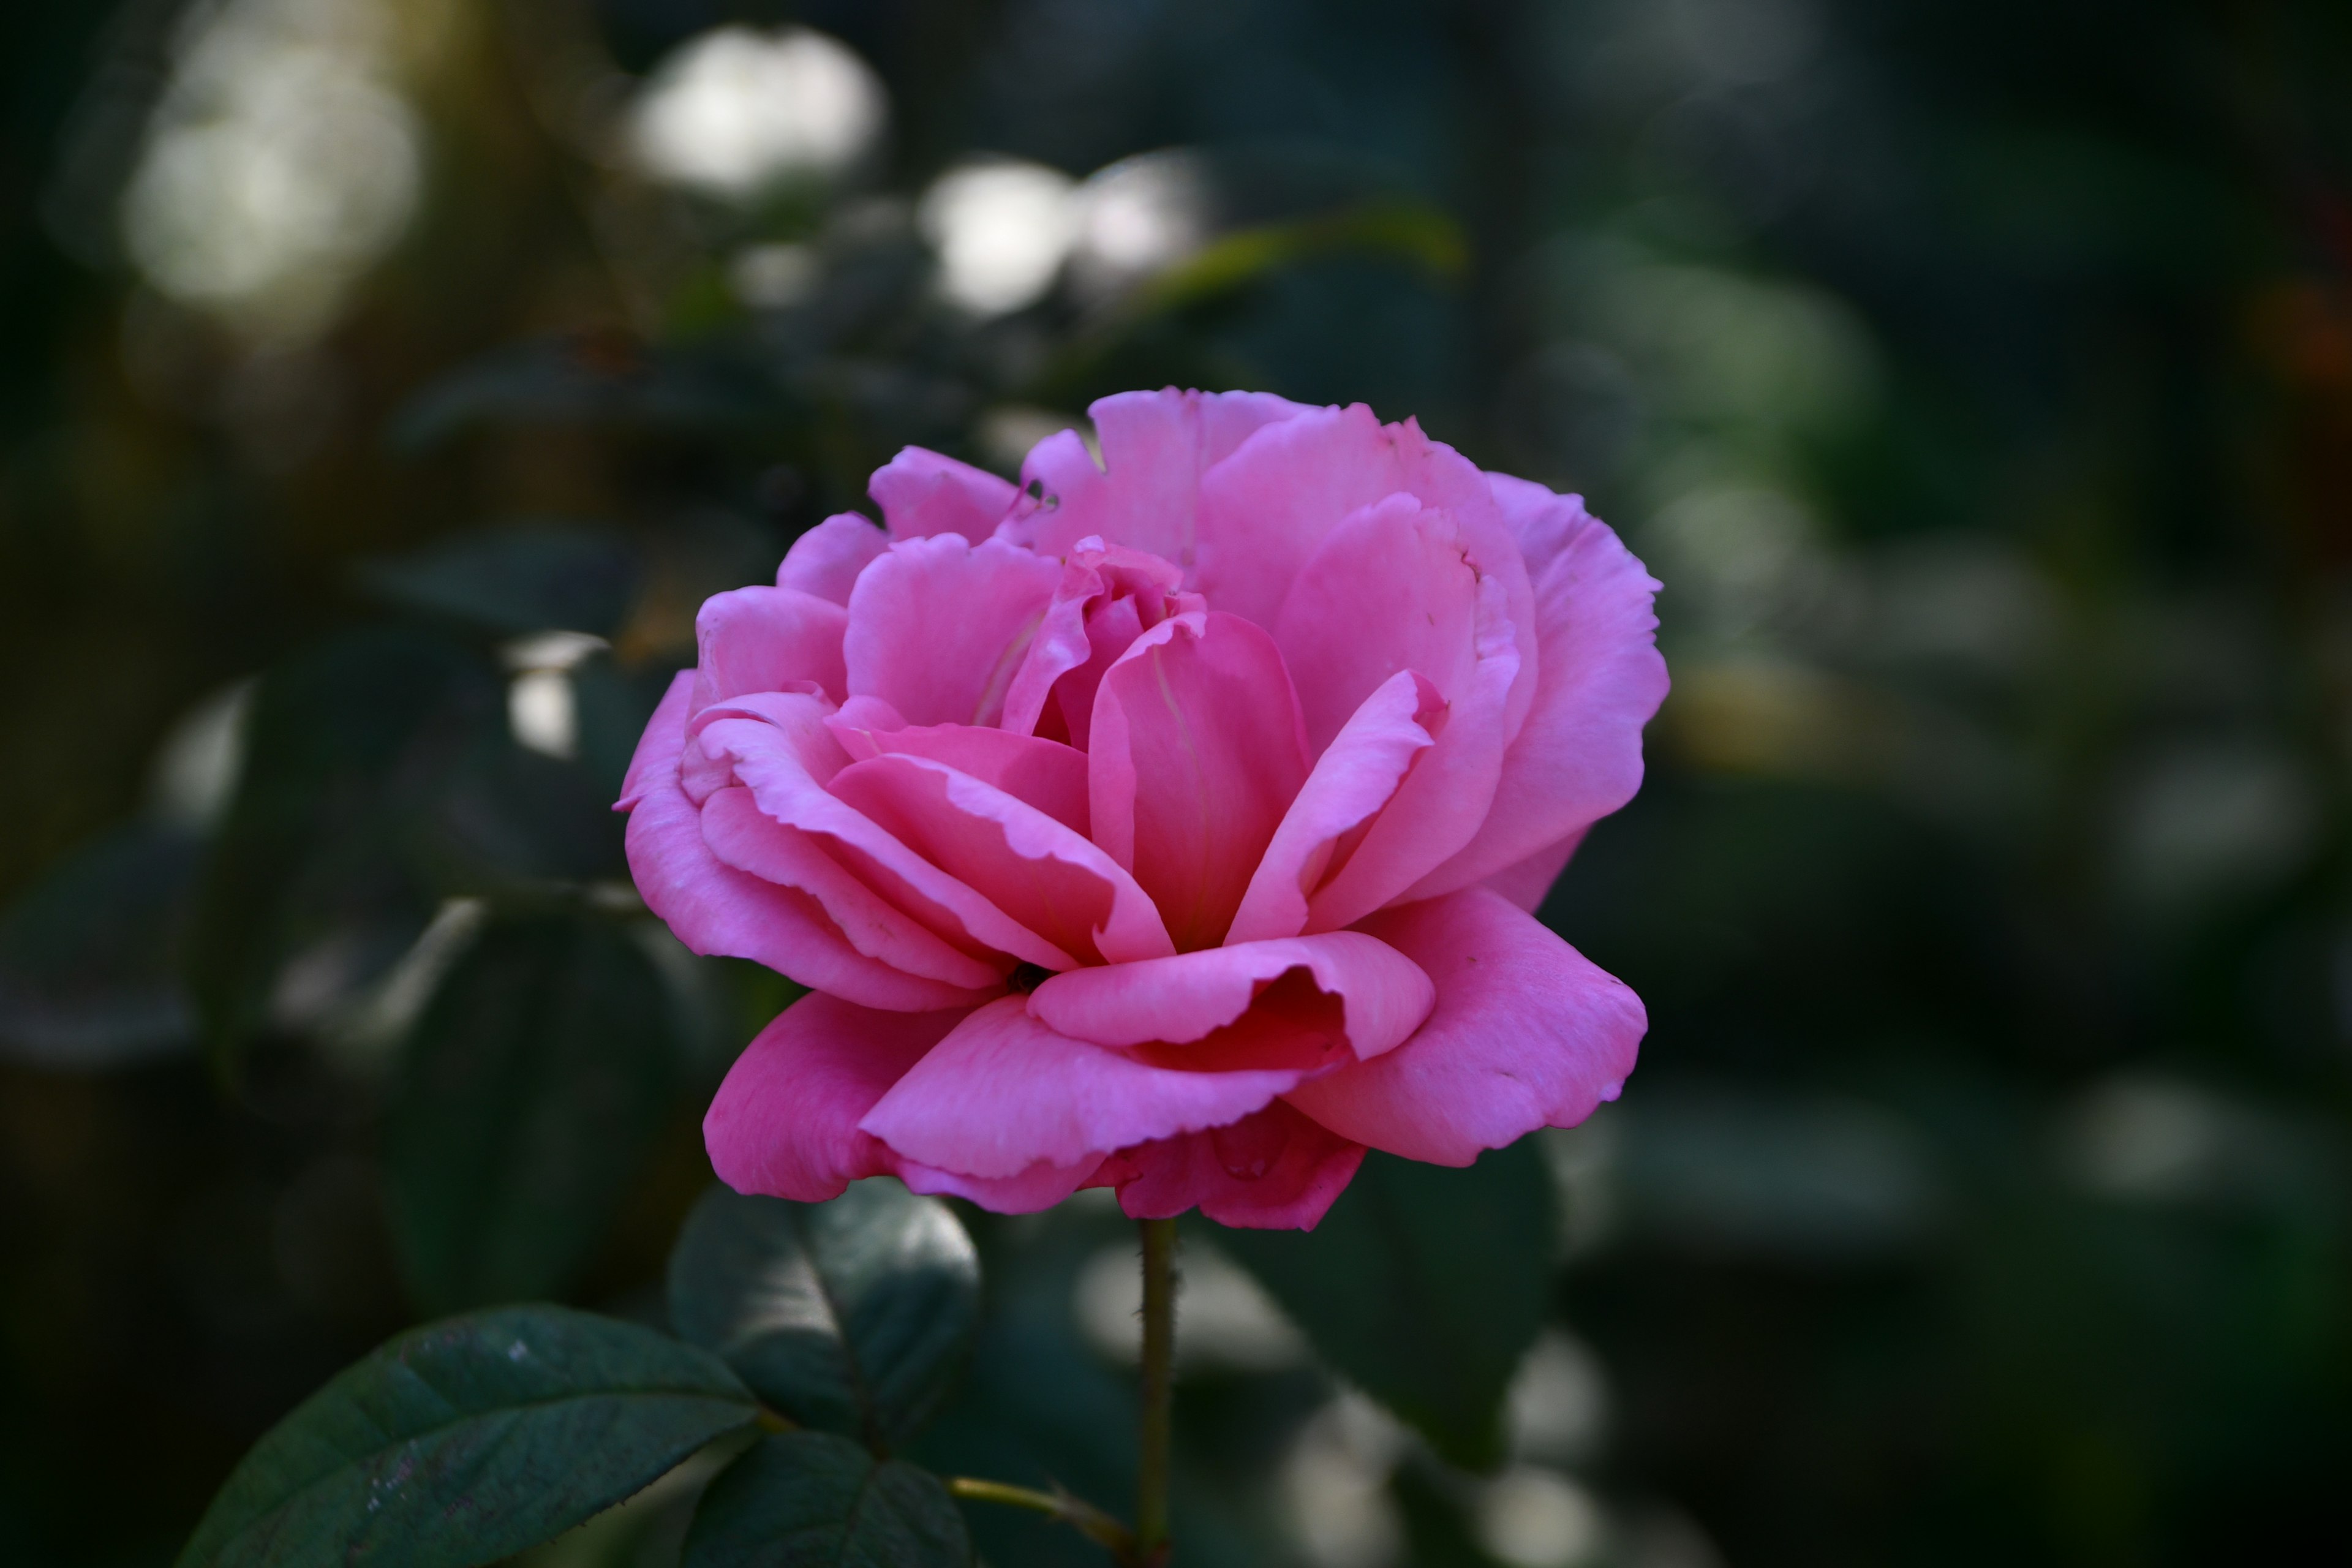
[1978, 378]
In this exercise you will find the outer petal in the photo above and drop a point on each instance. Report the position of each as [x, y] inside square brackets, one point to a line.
[1275, 1169]
[826, 560]
[1356, 775]
[768, 639]
[784, 1123]
[1266, 509]
[1526, 1033]
[1195, 754]
[1035, 870]
[1579, 757]
[768, 753]
[747, 838]
[1388, 590]
[922, 494]
[1384, 995]
[1039, 1187]
[937, 627]
[1155, 447]
[1445, 798]
[1003, 1093]
[1527, 883]
[718, 911]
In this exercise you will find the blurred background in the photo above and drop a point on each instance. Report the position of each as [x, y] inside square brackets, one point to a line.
[386, 382]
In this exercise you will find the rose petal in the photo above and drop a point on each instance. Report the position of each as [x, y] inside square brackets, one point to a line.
[937, 627]
[1041, 1186]
[1579, 756]
[1043, 773]
[1356, 775]
[1047, 878]
[1442, 800]
[1266, 509]
[768, 639]
[1183, 998]
[1527, 883]
[1275, 1170]
[1388, 590]
[1003, 1093]
[718, 911]
[784, 1123]
[1195, 754]
[923, 494]
[826, 560]
[1105, 599]
[1527, 1033]
[769, 755]
[741, 835]
[1155, 447]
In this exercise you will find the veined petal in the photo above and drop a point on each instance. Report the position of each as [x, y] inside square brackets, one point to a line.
[1195, 754]
[937, 627]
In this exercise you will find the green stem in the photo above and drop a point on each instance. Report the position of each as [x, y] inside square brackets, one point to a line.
[1151, 1547]
[1083, 1517]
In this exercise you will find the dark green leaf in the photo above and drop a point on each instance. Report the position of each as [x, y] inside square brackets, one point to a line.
[853, 1316]
[88, 972]
[314, 862]
[465, 1440]
[589, 377]
[532, 1084]
[1423, 1286]
[809, 1499]
[613, 705]
[521, 577]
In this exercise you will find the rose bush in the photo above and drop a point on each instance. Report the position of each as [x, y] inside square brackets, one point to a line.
[1170, 823]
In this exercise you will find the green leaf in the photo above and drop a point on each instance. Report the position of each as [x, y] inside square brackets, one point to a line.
[312, 863]
[88, 973]
[853, 1316]
[1423, 1285]
[531, 1085]
[810, 1499]
[465, 1440]
[592, 378]
[518, 577]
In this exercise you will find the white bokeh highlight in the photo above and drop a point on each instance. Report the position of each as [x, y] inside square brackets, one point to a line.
[736, 112]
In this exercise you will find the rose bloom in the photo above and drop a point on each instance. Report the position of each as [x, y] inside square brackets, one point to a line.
[1169, 823]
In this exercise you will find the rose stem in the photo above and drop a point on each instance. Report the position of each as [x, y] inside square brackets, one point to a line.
[1159, 1368]
[1089, 1521]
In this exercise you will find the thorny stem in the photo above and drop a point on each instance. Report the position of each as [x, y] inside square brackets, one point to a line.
[1147, 1545]
[1150, 1548]
[1083, 1516]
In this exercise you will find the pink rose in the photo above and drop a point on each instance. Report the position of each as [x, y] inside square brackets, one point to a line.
[1170, 825]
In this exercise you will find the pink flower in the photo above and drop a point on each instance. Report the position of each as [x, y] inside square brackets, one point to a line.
[1168, 824]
